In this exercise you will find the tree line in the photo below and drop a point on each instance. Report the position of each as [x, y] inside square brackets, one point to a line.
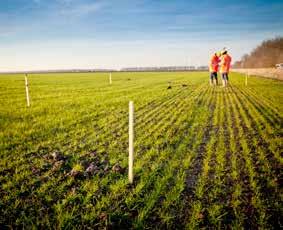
[267, 54]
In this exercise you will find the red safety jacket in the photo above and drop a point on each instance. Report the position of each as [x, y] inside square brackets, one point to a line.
[225, 63]
[213, 63]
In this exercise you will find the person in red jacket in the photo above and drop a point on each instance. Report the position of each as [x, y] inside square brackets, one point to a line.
[213, 68]
[225, 67]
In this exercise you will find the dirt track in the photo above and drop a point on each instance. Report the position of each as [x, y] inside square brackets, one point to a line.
[264, 72]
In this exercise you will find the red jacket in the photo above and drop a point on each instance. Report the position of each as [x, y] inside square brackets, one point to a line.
[213, 63]
[225, 63]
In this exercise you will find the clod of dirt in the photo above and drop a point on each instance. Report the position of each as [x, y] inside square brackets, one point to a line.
[103, 216]
[200, 216]
[75, 173]
[106, 168]
[184, 85]
[74, 190]
[93, 153]
[35, 170]
[169, 87]
[117, 168]
[57, 156]
[57, 165]
[91, 169]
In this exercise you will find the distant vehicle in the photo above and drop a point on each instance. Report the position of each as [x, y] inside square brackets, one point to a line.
[279, 66]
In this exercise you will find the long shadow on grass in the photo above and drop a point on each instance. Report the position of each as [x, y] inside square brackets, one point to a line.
[194, 170]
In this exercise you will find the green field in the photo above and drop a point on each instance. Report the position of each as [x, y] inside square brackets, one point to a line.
[204, 156]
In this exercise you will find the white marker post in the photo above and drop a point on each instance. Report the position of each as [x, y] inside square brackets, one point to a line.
[247, 75]
[110, 78]
[131, 141]
[27, 91]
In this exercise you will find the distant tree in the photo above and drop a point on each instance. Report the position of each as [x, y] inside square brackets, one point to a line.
[267, 54]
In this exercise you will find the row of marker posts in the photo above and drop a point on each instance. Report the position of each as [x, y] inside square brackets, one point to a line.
[27, 89]
[131, 129]
[131, 126]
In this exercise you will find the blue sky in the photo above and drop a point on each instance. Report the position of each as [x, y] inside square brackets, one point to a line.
[52, 34]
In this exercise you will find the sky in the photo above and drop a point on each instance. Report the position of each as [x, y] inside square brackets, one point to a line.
[64, 34]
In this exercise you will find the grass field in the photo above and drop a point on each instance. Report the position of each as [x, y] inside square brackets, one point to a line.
[204, 156]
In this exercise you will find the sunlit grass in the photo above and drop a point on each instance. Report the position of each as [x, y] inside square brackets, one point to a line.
[204, 156]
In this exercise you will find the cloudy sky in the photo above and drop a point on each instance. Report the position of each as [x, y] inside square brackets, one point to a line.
[56, 34]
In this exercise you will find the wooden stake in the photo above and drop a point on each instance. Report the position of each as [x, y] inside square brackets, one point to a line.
[27, 91]
[246, 79]
[131, 141]
[110, 78]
